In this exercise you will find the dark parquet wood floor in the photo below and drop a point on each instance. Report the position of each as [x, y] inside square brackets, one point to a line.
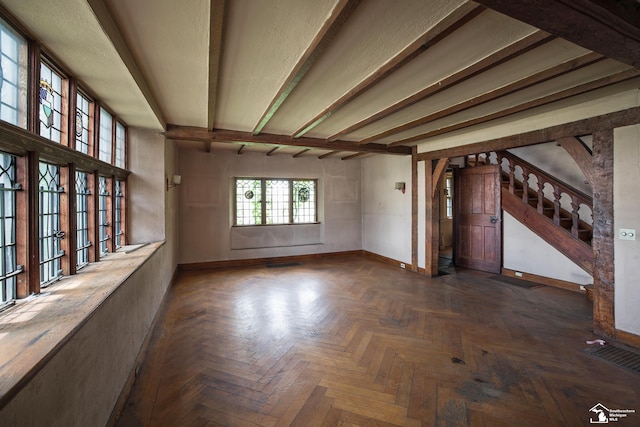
[354, 342]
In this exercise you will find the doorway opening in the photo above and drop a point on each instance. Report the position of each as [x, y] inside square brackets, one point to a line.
[446, 240]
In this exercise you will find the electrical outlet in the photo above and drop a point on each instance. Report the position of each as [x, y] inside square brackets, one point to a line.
[518, 274]
[627, 234]
[402, 265]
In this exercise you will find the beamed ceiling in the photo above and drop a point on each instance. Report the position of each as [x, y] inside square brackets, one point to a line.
[334, 78]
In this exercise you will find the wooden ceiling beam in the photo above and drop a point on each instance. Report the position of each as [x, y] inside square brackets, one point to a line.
[521, 84]
[186, 133]
[456, 19]
[329, 154]
[273, 150]
[353, 156]
[609, 27]
[301, 153]
[216, 27]
[558, 96]
[110, 28]
[526, 44]
[588, 126]
[327, 33]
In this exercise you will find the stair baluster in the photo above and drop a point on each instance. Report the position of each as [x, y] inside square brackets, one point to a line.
[568, 219]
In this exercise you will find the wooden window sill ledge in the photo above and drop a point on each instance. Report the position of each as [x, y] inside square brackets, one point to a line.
[36, 328]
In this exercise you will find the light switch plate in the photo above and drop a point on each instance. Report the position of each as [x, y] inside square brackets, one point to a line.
[627, 234]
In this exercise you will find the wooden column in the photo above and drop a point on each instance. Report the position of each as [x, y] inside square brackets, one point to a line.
[69, 221]
[432, 220]
[414, 208]
[28, 281]
[66, 213]
[603, 234]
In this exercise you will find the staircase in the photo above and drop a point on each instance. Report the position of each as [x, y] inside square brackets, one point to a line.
[525, 200]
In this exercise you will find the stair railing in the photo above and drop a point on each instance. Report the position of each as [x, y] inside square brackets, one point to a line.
[577, 197]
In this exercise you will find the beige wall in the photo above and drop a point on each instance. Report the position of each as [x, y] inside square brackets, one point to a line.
[626, 203]
[146, 184]
[205, 211]
[80, 384]
[386, 212]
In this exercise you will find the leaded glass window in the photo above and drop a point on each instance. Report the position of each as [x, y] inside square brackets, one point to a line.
[120, 145]
[103, 215]
[285, 201]
[304, 201]
[448, 184]
[83, 119]
[9, 267]
[105, 137]
[51, 95]
[277, 201]
[248, 201]
[82, 219]
[13, 76]
[50, 232]
[117, 222]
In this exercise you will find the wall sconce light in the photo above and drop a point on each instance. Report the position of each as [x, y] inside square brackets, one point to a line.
[175, 180]
[400, 186]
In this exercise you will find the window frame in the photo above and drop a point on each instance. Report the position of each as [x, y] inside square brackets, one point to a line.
[10, 268]
[263, 203]
[63, 102]
[100, 142]
[51, 227]
[24, 141]
[22, 89]
[83, 220]
[90, 119]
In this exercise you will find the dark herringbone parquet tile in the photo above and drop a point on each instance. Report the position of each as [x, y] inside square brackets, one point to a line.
[354, 342]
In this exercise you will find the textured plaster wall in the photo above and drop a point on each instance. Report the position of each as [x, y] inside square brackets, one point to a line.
[526, 252]
[205, 200]
[386, 212]
[146, 187]
[80, 384]
[626, 185]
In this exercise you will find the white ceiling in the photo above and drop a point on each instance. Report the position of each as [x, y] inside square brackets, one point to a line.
[267, 70]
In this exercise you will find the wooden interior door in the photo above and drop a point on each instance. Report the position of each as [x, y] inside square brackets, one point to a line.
[478, 240]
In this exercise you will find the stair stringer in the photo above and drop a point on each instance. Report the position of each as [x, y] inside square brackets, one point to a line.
[576, 250]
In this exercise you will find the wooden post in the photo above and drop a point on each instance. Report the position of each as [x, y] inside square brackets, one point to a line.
[414, 208]
[67, 219]
[432, 221]
[603, 234]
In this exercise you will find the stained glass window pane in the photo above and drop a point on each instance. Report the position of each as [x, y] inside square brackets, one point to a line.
[106, 136]
[82, 219]
[304, 201]
[248, 201]
[8, 263]
[13, 76]
[103, 216]
[83, 117]
[120, 144]
[117, 223]
[50, 233]
[277, 201]
[50, 96]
